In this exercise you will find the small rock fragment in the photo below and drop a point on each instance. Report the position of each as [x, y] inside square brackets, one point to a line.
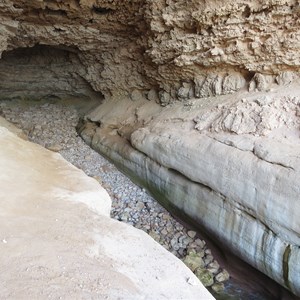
[54, 147]
[208, 259]
[205, 277]
[214, 267]
[222, 276]
[193, 261]
[191, 233]
[218, 287]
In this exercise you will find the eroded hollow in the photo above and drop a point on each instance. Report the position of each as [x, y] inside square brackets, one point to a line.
[44, 72]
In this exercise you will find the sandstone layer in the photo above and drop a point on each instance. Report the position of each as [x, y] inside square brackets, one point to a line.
[225, 149]
[242, 188]
[57, 239]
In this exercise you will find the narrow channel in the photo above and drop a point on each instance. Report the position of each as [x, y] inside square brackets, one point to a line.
[52, 124]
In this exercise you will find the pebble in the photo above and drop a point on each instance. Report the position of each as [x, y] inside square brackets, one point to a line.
[222, 276]
[193, 261]
[200, 243]
[218, 287]
[208, 259]
[53, 126]
[191, 233]
[54, 148]
[214, 267]
[205, 277]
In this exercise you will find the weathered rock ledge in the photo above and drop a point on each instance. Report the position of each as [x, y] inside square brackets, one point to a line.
[57, 240]
[241, 188]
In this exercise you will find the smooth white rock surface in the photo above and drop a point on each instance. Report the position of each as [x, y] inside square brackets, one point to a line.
[57, 240]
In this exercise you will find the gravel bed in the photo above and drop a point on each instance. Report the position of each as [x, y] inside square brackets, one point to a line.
[53, 126]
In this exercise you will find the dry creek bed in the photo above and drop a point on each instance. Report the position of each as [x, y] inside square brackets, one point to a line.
[54, 127]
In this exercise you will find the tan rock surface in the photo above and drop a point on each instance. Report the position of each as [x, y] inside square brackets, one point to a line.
[12, 128]
[242, 187]
[179, 51]
[57, 240]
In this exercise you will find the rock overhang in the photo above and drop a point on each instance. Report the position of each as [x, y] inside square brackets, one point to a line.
[168, 53]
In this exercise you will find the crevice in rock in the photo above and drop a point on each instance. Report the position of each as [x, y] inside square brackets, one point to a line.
[108, 146]
[122, 49]
[52, 12]
[53, 126]
[255, 153]
[101, 10]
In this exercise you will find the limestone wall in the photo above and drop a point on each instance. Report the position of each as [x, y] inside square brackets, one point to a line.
[43, 72]
[174, 50]
[236, 177]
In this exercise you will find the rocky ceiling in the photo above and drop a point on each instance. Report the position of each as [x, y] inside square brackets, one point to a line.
[174, 50]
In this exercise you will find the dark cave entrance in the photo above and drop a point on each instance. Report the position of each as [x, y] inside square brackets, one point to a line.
[49, 73]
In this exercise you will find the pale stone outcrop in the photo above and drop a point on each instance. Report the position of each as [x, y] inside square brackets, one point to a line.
[237, 181]
[57, 239]
[255, 115]
[19, 132]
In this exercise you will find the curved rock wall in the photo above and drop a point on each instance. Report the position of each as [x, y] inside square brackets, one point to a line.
[191, 58]
[240, 187]
[104, 35]
[57, 239]
[173, 50]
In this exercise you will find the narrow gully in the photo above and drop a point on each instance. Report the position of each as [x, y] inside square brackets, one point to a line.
[53, 125]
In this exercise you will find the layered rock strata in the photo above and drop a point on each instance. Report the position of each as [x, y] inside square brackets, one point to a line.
[44, 72]
[164, 51]
[242, 188]
[230, 131]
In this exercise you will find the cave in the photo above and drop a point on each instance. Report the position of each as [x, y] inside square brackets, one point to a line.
[196, 105]
[43, 72]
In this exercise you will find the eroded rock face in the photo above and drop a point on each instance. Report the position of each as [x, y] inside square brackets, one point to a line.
[220, 45]
[228, 139]
[181, 51]
[258, 116]
[237, 181]
[102, 33]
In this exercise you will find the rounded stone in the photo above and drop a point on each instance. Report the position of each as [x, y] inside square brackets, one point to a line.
[205, 277]
[193, 261]
[218, 287]
[222, 276]
[191, 233]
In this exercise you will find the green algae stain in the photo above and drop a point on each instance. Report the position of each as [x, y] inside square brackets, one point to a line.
[285, 266]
